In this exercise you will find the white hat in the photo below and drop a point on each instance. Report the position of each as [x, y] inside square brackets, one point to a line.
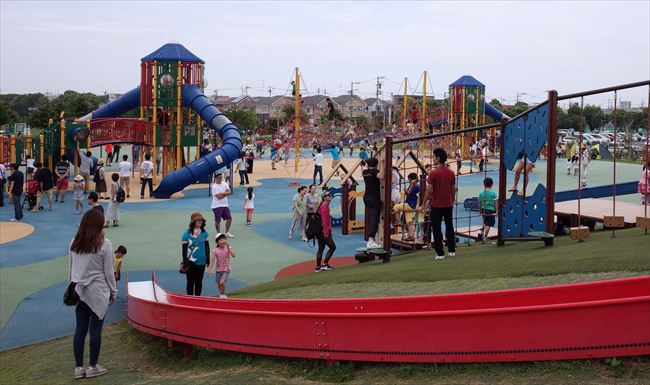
[219, 235]
[78, 178]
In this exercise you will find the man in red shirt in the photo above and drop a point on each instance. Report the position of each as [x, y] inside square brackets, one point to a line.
[440, 196]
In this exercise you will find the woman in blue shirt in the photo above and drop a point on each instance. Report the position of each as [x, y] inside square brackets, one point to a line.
[196, 249]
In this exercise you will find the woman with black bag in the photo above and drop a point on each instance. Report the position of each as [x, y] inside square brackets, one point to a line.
[91, 273]
[196, 257]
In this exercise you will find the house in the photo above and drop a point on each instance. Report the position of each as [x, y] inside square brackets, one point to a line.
[239, 102]
[377, 107]
[316, 106]
[351, 106]
[271, 107]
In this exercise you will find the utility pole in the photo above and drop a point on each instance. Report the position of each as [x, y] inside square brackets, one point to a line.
[269, 92]
[379, 79]
[352, 87]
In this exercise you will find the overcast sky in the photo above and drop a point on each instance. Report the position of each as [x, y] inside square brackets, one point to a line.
[512, 47]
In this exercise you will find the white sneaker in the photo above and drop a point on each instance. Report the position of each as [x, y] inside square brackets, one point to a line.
[229, 235]
[223, 296]
[440, 257]
[13, 220]
[451, 254]
[79, 372]
[305, 239]
[95, 371]
[374, 245]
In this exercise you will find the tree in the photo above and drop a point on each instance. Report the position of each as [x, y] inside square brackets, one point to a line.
[7, 115]
[43, 113]
[594, 116]
[76, 104]
[245, 120]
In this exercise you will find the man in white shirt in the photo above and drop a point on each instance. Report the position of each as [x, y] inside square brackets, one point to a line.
[318, 166]
[146, 175]
[125, 170]
[220, 192]
[85, 163]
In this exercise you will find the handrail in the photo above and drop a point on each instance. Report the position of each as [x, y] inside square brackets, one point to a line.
[603, 90]
[447, 133]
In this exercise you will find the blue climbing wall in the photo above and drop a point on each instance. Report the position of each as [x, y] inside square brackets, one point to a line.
[520, 215]
[525, 135]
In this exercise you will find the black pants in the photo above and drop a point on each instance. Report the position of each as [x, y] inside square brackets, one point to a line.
[18, 207]
[437, 215]
[87, 320]
[249, 166]
[2, 192]
[243, 177]
[426, 229]
[194, 277]
[146, 181]
[373, 221]
[331, 246]
[318, 170]
[481, 165]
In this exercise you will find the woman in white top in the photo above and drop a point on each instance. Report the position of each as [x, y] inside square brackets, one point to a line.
[249, 206]
[113, 210]
[242, 169]
[91, 268]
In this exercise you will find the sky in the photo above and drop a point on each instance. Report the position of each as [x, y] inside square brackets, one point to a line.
[517, 49]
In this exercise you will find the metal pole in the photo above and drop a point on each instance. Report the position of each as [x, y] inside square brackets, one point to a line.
[386, 206]
[550, 161]
[614, 160]
[502, 186]
[179, 120]
[424, 104]
[154, 118]
[296, 121]
[404, 104]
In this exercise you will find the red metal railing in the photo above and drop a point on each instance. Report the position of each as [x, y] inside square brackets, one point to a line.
[5, 149]
[120, 130]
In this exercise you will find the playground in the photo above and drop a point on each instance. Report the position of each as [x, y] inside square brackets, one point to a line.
[566, 264]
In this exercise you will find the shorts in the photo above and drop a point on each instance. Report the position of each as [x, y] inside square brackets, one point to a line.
[489, 219]
[249, 210]
[221, 213]
[409, 212]
[221, 274]
[62, 184]
[125, 179]
[335, 163]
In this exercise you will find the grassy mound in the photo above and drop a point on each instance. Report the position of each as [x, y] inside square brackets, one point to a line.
[475, 268]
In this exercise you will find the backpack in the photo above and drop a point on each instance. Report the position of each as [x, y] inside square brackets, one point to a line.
[314, 226]
[121, 195]
[96, 177]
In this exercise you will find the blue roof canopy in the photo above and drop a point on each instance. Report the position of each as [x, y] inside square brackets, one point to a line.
[466, 80]
[172, 52]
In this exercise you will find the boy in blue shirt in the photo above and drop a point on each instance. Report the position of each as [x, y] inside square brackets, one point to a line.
[409, 206]
[336, 159]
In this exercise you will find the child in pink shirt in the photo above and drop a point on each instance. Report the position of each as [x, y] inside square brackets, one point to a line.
[221, 260]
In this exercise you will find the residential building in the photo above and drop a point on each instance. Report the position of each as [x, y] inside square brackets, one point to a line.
[271, 107]
[377, 107]
[239, 102]
[316, 106]
[351, 106]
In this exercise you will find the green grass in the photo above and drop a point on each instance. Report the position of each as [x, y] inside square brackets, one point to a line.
[490, 267]
[136, 358]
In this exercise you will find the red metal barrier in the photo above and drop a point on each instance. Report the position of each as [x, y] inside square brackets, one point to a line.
[120, 130]
[588, 320]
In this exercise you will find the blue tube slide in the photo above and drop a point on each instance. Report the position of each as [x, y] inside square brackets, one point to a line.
[229, 151]
[124, 103]
[494, 113]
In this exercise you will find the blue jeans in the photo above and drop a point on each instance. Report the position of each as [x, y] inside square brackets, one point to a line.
[18, 207]
[86, 319]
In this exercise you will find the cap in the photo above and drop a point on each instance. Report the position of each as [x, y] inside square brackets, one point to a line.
[218, 175]
[79, 178]
[100, 161]
[219, 236]
[327, 193]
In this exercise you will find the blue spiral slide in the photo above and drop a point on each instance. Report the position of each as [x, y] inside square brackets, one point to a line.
[191, 97]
